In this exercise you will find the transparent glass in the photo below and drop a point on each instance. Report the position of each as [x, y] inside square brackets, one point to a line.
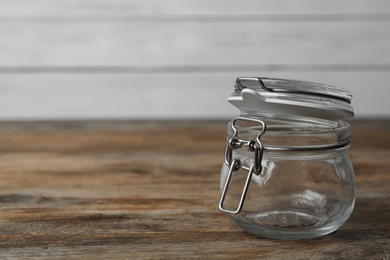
[300, 193]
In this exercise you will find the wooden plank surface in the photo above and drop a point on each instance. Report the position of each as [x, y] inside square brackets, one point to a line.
[150, 44]
[145, 33]
[191, 7]
[97, 59]
[150, 189]
[139, 41]
[161, 95]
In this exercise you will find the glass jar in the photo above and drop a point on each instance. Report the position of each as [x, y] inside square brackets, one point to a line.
[287, 176]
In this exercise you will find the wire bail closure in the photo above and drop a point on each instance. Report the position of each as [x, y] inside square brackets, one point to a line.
[235, 164]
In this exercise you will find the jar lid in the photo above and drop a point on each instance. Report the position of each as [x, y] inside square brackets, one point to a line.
[283, 96]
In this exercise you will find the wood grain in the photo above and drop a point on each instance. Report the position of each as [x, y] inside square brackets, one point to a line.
[191, 7]
[141, 34]
[150, 189]
[161, 95]
[149, 44]
[130, 58]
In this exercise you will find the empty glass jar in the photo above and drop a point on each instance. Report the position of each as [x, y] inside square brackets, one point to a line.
[287, 175]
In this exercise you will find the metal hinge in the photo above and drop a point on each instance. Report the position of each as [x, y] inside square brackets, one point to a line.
[235, 164]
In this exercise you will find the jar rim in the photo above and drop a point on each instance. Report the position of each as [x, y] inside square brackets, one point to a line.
[295, 134]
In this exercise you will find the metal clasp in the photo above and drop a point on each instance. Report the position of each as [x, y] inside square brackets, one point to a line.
[235, 164]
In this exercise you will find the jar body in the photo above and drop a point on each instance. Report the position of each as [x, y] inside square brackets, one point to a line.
[299, 193]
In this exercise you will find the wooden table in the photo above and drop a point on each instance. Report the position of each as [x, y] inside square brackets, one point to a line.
[140, 190]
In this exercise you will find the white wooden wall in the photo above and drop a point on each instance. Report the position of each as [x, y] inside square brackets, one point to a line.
[143, 59]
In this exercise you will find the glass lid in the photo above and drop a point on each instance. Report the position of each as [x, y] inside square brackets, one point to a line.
[254, 95]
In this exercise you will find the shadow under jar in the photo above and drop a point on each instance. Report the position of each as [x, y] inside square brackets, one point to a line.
[287, 175]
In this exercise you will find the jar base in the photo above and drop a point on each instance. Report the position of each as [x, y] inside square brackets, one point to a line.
[285, 225]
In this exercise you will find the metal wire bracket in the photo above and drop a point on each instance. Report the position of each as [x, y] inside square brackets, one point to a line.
[256, 167]
[236, 165]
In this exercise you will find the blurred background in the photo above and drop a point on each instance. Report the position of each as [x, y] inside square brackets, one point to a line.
[178, 59]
